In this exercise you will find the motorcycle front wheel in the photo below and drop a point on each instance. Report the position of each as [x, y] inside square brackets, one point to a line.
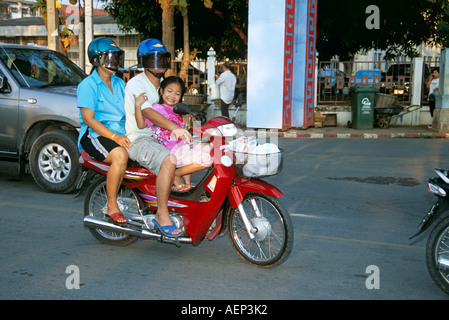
[273, 240]
[95, 205]
[437, 255]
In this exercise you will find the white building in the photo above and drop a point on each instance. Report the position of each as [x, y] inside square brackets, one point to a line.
[32, 30]
[18, 9]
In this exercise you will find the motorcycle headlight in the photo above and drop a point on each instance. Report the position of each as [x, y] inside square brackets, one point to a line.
[226, 130]
[433, 188]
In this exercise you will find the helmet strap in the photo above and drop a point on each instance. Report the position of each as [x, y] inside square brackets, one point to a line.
[158, 75]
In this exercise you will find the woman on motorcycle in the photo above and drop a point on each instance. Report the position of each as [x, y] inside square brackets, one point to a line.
[102, 117]
[190, 157]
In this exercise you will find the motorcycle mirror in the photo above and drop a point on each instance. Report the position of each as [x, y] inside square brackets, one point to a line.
[181, 108]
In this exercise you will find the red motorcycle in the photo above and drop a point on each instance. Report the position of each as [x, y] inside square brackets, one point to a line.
[226, 198]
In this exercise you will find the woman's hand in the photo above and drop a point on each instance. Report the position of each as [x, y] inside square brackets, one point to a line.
[122, 141]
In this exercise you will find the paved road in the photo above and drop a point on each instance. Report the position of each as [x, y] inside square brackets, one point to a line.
[354, 204]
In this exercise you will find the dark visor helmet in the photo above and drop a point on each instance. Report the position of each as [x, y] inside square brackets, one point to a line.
[152, 54]
[105, 52]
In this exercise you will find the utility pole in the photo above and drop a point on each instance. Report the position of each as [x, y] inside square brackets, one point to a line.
[52, 26]
[88, 31]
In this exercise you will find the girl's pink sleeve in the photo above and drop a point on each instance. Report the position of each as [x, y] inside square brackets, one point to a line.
[156, 107]
[149, 123]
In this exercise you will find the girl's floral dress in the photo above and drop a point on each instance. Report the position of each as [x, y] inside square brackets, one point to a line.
[185, 153]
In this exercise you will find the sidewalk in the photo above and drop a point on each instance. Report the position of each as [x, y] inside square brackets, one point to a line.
[414, 132]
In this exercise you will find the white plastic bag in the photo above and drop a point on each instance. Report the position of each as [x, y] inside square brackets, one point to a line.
[264, 160]
[241, 147]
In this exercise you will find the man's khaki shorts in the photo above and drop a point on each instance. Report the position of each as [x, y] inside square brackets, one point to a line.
[149, 153]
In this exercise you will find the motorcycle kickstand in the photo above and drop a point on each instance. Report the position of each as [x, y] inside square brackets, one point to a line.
[173, 241]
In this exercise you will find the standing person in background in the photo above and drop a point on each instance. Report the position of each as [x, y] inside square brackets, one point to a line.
[433, 84]
[227, 82]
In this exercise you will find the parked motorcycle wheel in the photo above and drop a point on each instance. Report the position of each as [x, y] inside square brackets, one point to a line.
[437, 248]
[95, 205]
[274, 237]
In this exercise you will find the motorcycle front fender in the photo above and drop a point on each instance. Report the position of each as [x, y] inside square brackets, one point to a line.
[238, 190]
[440, 206]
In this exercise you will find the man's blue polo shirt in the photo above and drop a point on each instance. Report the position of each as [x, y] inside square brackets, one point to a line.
[109, 106]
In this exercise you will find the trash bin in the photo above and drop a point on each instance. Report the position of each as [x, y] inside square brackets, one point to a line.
[362, 106]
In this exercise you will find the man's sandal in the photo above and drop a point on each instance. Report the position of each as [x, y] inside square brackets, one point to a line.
[167, 230]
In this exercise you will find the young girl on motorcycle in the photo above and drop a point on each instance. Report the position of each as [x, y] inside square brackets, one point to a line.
[190, 157]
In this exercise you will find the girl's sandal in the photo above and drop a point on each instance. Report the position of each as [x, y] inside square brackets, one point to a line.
[182, 188]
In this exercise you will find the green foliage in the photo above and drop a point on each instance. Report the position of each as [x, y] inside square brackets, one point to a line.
[219, 24]
[404, 24]
[142, 15]
[442, 33]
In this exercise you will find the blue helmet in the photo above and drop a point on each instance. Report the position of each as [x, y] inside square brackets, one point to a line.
[152, 54]
[105, 52]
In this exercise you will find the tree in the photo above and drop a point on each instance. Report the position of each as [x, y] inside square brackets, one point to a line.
[222, 25]
[66, 36]
[404, 24]
[168, 26]
[442, 33]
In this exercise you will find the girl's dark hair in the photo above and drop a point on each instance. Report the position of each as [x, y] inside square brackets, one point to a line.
[170, 80]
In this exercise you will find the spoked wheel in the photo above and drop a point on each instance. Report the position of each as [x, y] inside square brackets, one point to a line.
[273, 239]
[95, 205]
[437, 255]
[383, 122]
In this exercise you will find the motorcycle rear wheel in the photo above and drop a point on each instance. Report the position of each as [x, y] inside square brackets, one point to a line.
[437, 248]
[273, 240]
[95, 205]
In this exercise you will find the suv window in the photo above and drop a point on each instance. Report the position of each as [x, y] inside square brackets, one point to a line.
[40, 68]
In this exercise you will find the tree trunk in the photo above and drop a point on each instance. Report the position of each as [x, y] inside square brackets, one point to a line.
[61, 47]
[168, 29]
[186, 57]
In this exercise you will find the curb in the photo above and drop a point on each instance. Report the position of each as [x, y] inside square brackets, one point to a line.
[435, 135]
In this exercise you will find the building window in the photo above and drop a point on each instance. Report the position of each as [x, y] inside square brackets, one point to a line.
[128, 41]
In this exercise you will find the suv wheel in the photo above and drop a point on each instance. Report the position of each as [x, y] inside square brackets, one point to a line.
[54, 162]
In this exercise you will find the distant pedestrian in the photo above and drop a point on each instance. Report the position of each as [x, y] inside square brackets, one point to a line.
[433, 84]
[227, 82]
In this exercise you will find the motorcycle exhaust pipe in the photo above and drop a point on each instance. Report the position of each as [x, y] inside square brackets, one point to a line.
[91, 222]
[443, 264]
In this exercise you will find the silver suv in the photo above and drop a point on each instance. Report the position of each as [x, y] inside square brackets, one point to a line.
[39, 117]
